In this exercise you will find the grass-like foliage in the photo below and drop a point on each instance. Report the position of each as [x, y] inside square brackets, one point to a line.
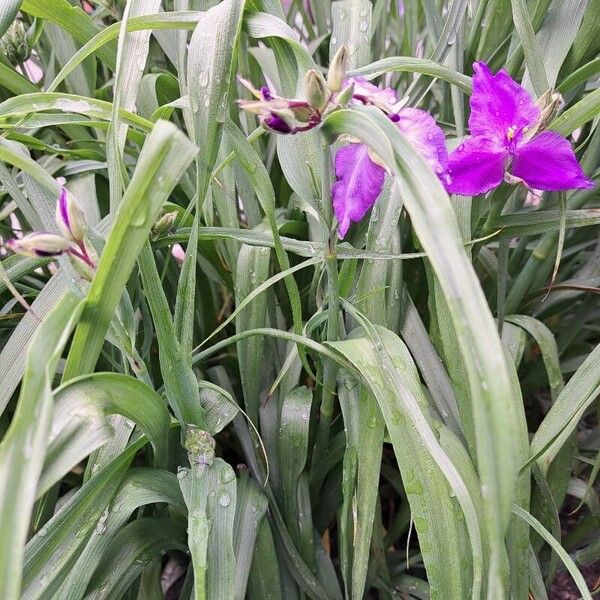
[299, 299]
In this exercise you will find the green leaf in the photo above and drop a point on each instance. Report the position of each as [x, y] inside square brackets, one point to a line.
[8, 13]
[164, 158]
[59, 542]
[408, 64]
[210, 494]
[533, 57]
[140, 487]
[429, 476]
[134, 547]
[581, 390]
[101, 393]
[251, 507]
[567, 560]
[23, 447]
[545, 340]
[72, 19]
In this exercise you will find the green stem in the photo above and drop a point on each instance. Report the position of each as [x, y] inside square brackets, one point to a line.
[498, 201]
[330, 369]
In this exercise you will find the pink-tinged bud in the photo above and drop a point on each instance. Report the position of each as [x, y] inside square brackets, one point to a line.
[69, 217]
[40, 243]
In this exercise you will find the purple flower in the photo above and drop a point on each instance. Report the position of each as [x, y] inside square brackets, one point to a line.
[360, 174]
[506, 142]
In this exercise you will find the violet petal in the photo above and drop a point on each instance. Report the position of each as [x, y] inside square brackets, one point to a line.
[359, 184]
[547, 162]
[498, 103]
[476, 166]
[421, 130]
[276, 123]
[63, 209]
[367, 93]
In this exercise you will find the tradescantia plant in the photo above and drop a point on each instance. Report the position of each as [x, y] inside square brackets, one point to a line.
[299, 299]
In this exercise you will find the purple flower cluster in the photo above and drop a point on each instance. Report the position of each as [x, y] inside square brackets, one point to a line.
[508, 141]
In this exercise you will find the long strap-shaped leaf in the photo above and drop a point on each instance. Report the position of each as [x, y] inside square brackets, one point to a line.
[435, 224]
[23, 447]
[164, 158]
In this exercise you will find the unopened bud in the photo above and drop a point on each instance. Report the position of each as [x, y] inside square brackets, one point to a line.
[337, 69]
[276, 123]
[315, 89]
[14, 44]
[40, 243]
[549, 104]
[84, 259]
[164, 224]
[345, 96]
[200, 446]
[69, 217]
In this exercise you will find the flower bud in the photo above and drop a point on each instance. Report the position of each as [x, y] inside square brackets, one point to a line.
[337, 69]
[40, 243]
[549, 104]
[276, 123]
[345, 96]
[69, 217]
[315, 89]
[14, 44]
[82, 266]
[200, 446]
[164, 224]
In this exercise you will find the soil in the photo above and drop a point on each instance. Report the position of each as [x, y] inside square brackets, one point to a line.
[563, 587]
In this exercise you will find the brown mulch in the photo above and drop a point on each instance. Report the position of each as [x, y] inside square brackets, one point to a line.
[563, 587]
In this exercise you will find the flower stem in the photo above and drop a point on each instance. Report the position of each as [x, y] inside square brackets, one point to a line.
[330, 369]
[498, 201]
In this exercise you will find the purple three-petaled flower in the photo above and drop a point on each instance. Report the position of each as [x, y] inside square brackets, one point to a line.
[506, 141]
[360, 175]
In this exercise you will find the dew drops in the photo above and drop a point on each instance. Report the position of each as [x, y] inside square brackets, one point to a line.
[182, 473]
[364, 26]
[101, 526]
[225, 500]
[227, 475]
[430, 136]
[461, 148]
[203, 79]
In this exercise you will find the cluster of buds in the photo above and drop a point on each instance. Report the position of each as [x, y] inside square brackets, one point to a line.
[200, 446]
[13, 44]
[289, 116]
[71, 239]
